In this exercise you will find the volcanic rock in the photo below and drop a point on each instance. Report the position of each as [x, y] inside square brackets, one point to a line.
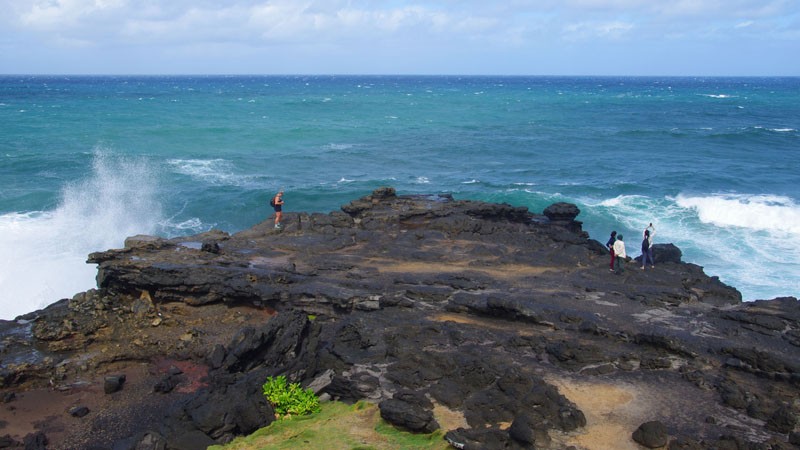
[409, 410]
[651, 434]
[506, 319]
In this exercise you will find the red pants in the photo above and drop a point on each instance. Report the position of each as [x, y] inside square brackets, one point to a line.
[611, 266]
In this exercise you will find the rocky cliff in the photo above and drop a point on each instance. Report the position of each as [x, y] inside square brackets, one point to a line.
[509, 323]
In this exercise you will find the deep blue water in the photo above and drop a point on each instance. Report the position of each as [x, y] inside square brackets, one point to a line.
[88, 161]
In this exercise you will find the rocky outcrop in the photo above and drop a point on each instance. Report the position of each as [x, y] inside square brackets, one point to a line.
[507, 319]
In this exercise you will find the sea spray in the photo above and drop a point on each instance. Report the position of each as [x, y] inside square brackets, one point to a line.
[44, 253]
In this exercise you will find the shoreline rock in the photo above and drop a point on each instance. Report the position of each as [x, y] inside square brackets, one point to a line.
[506, 317]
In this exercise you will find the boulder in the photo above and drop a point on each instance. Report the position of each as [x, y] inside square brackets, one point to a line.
[522, 431]
[409, 410]
[783, 420]
[666, 253]
[651, 434]
[113, 383]
[78, 411]
[561, 212]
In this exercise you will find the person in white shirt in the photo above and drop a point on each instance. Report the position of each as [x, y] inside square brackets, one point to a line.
[620, 255]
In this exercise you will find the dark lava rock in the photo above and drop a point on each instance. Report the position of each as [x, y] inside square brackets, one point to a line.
[666, 253]
[210, 247]
[113, 383]
[409, 302]
[166, 384]
[409, 410]
[651, 434]
[558, 212]
[7, 441]
[149, 440]
[191, 440]
[36, 441]
[783, 420]
[78, 411]
[522, 431]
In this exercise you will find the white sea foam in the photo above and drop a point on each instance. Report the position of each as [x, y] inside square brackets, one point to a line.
[717, 95]
[44, 252]
[756, 240]
[211, 171]
[193, 224]
[333, 146]
[753, 212]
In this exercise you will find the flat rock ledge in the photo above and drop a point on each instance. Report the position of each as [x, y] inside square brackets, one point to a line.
[508, 321]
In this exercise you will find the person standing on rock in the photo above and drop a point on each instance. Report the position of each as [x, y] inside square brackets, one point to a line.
[647, 246]
[619, 255]
[647, 250]
[610, 247]
[277, 204]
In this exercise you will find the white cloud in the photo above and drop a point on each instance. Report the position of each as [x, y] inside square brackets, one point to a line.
[55, 14]
[434, 30]
[301, 21]
[593, 30]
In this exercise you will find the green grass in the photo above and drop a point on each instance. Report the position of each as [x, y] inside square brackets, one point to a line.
[336, 426]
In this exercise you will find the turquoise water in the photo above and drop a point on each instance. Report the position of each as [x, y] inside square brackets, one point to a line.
[88, 161]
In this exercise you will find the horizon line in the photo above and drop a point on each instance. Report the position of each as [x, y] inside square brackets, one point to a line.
[379, 75]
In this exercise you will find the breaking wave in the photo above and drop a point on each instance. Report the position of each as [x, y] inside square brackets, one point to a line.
[44, 252]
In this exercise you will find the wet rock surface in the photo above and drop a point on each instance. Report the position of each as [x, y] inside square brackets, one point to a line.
[508, 319]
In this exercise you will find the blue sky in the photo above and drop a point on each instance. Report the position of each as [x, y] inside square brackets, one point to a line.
[515, 37]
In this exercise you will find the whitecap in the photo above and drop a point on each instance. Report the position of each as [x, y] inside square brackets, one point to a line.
[717, 95]
[334, 146]
[631, 201]
[472, 181]
[211, 171]
[194, 224]
[755, 212]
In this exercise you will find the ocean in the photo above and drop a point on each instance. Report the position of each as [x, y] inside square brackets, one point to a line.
[86, 161]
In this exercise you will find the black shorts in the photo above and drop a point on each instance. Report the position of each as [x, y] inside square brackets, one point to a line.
[278, 208]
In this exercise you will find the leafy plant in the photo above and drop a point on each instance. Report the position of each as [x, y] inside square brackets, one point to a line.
[290, 398]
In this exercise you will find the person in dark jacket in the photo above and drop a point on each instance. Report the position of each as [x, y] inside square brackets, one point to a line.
[610, 247]
[647, 246]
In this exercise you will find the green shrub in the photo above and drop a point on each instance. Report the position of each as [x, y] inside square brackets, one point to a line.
[290, 398]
